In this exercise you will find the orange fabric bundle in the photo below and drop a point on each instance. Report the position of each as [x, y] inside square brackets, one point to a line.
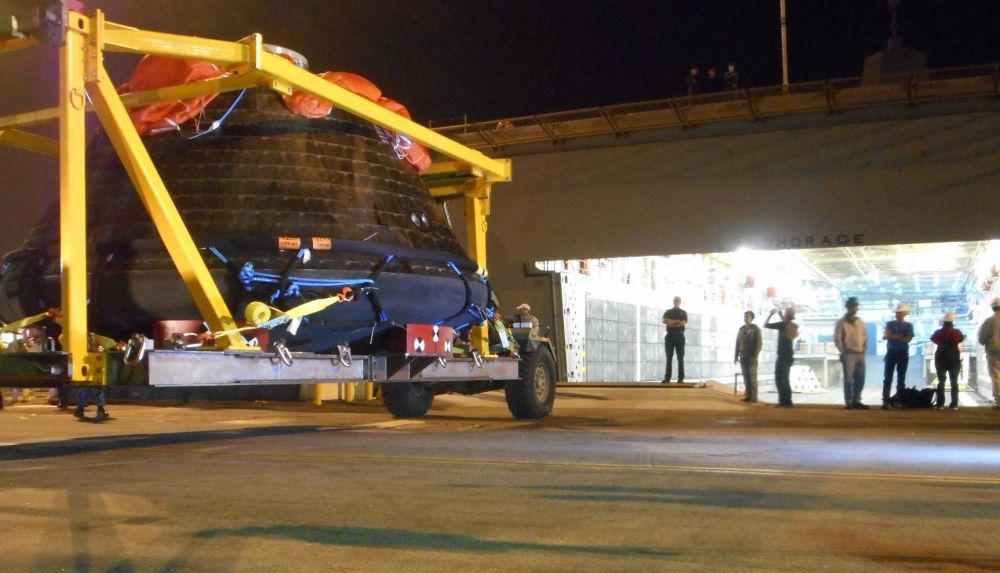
[307, 105]
[418, 157]
[160, 71]
[394, 106]
[417, 154]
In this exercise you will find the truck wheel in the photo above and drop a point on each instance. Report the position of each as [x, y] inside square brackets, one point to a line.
[407, 399]
[532, 396]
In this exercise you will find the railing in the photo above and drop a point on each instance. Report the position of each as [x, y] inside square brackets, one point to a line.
[753, 103]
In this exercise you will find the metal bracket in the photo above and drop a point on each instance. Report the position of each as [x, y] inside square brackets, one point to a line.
[344, 355]
[135, 350]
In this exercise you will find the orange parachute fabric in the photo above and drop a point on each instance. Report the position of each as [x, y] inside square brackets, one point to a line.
[355, 84]
[160, 71]
[415, 152]
[310, 106]
[394, 106]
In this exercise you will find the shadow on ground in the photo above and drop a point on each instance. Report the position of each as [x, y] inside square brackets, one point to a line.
[135, 441]
[405, 539]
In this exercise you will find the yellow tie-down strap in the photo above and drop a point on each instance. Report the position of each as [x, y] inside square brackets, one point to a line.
[26, 322]
[261, 315]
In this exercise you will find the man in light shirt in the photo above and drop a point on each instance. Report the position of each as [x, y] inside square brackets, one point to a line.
[851, 339]
[989, 336]
[524, 318]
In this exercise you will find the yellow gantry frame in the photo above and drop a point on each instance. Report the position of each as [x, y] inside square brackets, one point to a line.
[84, 84]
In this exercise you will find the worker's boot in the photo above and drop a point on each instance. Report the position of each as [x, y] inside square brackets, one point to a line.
[79, 411]
[102, 414]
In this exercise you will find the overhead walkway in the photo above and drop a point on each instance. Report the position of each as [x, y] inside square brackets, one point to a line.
[753, 104]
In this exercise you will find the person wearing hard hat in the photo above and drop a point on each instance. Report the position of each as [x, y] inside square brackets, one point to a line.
[947, 358]
[851, 338]
[524, 318]
[989, 337]
[898, 334]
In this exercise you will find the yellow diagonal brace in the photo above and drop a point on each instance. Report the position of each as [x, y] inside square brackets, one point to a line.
[29, 141]
[195, 89]
[123, 135]
[287, 72]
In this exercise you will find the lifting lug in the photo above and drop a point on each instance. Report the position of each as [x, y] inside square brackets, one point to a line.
[135, 350]
[284, 354]
[344, 355]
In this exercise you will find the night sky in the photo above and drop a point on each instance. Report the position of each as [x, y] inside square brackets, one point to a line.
[491, 59]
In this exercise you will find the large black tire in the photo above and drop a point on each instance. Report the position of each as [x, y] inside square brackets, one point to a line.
[531, 397]
[407, 399]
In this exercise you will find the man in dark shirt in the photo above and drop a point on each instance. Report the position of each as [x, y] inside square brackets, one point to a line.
[676, 320]
[787, 332]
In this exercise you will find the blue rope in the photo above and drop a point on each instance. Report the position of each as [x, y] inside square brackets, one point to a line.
[218, 123]
[248, 276]
[219, 254]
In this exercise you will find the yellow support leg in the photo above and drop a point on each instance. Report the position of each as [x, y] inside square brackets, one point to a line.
[73, 201]
[349, 391]
[477, 210]
[318, 394]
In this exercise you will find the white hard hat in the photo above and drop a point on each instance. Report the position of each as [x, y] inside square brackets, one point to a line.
[525, 306]
[949, 316]
[903, 307]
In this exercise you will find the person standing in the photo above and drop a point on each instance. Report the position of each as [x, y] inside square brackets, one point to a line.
[524, 315]
[748, 344]
[989, 337]
[788, 331]
[898, 334]
[693, 82]
[851, 339]
[713, 81]
[731, 78]
[676, 320]
[947, 358]
[83, 399]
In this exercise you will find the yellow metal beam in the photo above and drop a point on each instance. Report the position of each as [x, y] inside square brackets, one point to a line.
[138, 99]
[11, 44]
[29, 141]
[195, 89]
[477, 210]
[29, 118]
[123, 135]
[73, 202]
[450, 192]
[119, 38]
[448, 178]
[440, 169]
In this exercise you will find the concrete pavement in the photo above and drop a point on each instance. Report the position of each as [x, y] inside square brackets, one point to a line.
[638, 480]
